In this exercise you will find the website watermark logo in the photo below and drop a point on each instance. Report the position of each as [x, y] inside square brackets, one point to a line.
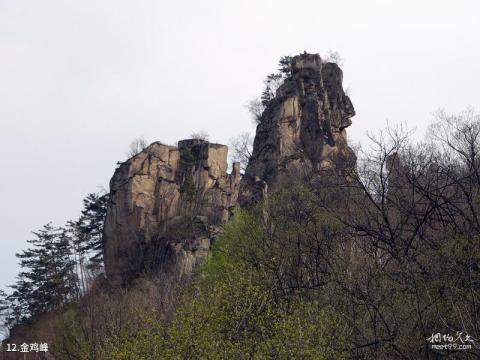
[25, 348]
[458, 342]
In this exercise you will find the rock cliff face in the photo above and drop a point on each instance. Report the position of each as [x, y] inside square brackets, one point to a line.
[302, 130]
[166, 204]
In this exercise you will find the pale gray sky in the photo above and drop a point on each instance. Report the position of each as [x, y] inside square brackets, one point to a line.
[81, 79]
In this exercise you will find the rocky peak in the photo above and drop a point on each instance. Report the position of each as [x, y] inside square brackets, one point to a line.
[167, 200]
[167, 203]
[302, 130]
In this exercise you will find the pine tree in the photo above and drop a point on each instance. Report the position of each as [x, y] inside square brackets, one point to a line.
[48, 279]
[272, 83]
[285, 66]
[5, 309]
[53, 271]
[3, 302]
[89, 229]
[275, 80]
[17, 301]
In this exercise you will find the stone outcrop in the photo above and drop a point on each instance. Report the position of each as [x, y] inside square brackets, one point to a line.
[166, 203]
[302, 130]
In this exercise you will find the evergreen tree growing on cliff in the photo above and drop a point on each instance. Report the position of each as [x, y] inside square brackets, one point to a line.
[275, 80]
[90, 228]
[272, 82]
[285, 66]
[47, 279]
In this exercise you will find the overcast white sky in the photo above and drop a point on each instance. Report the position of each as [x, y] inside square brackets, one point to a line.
[81, 79]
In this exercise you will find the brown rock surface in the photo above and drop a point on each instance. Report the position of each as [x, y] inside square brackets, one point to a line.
[166, 203]
[302, 130]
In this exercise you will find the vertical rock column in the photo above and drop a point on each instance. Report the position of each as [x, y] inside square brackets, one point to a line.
[302, 130]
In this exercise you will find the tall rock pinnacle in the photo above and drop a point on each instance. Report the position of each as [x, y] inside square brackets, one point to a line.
[302, 130]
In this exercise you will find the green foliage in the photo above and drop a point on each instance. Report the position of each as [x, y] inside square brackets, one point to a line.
[241, 243]
[233, 310]
[237, 315]
[275, 80]
[187, 158]
[188, 161]
[74, 343]
[227, 318]
[188, 186]
[285, 66]
[272, 83]
[87, 230]
[143, 343]
[52, 268]
[308, 330]
[47, 279]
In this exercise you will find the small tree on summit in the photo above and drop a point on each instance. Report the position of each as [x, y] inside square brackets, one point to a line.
[241, 149]
[273, 81]
[334, 57]
[200, 135]
[136, 146]
[285, 66]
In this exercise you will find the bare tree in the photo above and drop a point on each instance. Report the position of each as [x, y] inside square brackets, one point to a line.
[241, 149]
[200, 135]
[255, 107]
[334, 57]
[415, 223]
[136, 146]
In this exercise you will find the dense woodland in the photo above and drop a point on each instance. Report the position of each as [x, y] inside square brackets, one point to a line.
[366, 265]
